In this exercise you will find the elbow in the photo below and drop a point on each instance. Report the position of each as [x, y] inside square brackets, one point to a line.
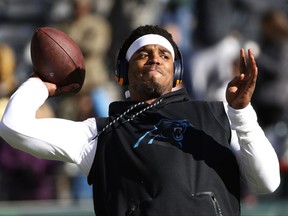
[6, 133]
[269, 184]
[272, 187]
[5, 126]
[9, 133]
[272, 179]
[4, 129]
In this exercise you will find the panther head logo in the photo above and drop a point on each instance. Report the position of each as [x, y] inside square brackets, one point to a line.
[166, 130]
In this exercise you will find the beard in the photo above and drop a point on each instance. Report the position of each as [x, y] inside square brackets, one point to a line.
[153, 90]
[150, 90]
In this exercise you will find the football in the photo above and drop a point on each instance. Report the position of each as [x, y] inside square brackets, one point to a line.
[56, 58]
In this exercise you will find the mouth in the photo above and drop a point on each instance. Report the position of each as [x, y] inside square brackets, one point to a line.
[153, 69]
[149, 75]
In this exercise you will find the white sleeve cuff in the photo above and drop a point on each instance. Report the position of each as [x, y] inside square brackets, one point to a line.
[244, 120]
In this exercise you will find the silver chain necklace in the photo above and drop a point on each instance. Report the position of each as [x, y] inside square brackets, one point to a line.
[131, 118]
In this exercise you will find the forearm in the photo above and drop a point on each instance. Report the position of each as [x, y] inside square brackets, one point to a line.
[259, 162]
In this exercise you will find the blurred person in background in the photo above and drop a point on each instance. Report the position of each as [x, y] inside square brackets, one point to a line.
[215, 46]
[221, 27]
[22, 176]
[247, 16]
[271, 100]
[92, 32]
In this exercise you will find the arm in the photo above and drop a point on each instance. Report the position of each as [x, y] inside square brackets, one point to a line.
[51, 138]
[257, 159]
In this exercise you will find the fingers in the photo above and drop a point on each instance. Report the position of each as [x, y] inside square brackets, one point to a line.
[243, 64]
[60, 90]
[33, 74]
[71, 88]
[249, 68]
[252, 60]
[232, 86]
[252, 66]
[250, 77]
[52, 88]
[240, 89]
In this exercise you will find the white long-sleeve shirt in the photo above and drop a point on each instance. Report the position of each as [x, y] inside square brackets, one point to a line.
[71, 141]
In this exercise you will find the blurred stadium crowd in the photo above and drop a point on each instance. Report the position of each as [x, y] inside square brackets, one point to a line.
[209, 34]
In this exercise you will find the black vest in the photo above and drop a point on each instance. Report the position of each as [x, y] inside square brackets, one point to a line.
[172, 159]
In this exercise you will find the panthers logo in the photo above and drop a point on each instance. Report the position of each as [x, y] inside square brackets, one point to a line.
[166, 130]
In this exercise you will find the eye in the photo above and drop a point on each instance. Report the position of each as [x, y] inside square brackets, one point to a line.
[165, 56]
[142, 55]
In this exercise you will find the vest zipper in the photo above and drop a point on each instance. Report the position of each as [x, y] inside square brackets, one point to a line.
[214, 201]
[131, 210]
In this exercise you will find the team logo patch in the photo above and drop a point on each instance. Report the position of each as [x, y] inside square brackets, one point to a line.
[166, 130]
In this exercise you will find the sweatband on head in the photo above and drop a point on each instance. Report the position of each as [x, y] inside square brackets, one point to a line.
[148, 40]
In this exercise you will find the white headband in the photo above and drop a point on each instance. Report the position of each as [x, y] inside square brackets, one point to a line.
[146, 40]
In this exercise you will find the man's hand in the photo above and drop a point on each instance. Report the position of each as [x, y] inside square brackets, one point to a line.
[240, 89]
[55, 90]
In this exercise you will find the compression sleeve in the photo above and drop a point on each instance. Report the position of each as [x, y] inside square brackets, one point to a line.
[51, 138]
[258, 160]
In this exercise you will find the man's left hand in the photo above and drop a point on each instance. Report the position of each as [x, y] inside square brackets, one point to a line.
[240, 89]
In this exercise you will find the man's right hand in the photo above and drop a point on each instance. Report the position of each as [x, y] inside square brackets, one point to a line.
[55, 90]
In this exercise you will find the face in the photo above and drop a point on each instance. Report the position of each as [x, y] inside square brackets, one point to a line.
[150, 73]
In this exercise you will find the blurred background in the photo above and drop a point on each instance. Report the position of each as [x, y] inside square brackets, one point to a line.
[209, 34]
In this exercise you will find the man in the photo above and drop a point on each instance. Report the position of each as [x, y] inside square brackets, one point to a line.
[159, 153]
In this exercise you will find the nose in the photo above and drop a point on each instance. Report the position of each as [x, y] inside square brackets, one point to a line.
[154, 59]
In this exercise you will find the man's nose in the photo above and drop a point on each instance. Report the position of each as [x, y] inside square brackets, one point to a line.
[154, 59]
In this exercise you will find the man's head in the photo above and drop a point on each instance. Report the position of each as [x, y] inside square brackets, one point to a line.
[149, 62]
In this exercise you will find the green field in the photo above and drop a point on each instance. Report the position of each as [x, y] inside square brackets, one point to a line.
[85, 208]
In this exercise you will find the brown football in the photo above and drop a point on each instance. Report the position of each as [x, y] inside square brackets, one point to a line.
[56, 58]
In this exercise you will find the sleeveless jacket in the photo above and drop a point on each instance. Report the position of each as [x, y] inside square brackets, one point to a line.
[169, 159]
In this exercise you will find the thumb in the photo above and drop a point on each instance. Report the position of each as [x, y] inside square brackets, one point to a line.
[235, 81]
